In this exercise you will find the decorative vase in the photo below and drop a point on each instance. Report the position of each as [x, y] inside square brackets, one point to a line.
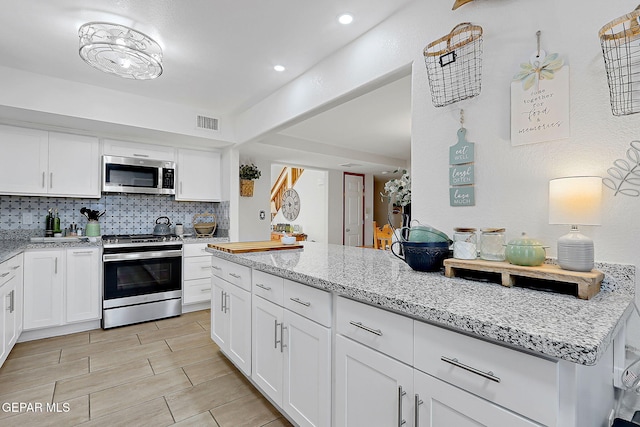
[246, 188]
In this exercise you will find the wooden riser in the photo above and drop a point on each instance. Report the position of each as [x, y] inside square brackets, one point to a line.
[588, 282]
[245, 247]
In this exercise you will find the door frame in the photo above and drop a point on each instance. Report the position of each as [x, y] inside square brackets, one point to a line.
[361, 175]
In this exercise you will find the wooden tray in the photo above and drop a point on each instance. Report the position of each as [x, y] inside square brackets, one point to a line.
[588, 282]
[244, 247]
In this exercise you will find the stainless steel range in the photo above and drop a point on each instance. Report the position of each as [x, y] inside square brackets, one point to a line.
[142, 278]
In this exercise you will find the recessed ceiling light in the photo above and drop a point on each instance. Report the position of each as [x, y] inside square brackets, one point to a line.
[279, 68]
[345, 19]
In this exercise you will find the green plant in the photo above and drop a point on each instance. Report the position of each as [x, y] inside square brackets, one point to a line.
[249, 172]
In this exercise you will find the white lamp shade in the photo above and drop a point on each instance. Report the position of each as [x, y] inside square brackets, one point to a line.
[575, 200]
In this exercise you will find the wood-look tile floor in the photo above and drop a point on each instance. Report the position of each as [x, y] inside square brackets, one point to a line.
[161, 373]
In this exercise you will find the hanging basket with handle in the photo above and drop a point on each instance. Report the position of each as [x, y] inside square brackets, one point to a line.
[246, 188]
[620, 40]
[454, 65]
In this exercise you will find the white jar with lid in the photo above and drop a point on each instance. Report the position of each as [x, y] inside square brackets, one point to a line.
[492, 244]
[465, 243]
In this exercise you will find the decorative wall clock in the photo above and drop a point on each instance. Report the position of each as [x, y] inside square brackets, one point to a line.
[290, 204]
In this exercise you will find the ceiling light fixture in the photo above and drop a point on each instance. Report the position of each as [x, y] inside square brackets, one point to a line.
[345, 19]
[120, 50]
[279, 68]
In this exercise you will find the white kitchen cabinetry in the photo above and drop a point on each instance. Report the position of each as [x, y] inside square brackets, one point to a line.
[231, 312]
[196, 274]
[11, 294]
[83, 294]
[440, 404]
[198, 176]
[292, 348]
[61, 287]
[132, 149]
[36, 162]
[371, 387]
[43, 288]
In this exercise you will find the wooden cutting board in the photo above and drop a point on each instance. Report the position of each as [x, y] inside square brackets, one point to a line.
[244, 247]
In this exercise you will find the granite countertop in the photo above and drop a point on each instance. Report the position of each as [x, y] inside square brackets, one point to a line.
[559, 326]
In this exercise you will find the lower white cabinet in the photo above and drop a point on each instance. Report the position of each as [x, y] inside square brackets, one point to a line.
[11, 305]
[292, 359]
[371, 388]
[196, 274]
[61, 286]
[439, 404]
[231, 322]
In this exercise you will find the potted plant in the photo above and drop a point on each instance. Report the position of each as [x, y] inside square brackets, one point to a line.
[248, 173]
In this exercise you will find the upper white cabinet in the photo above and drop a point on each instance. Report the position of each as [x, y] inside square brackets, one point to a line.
[198, 174]
[131, 149]
[36, 162]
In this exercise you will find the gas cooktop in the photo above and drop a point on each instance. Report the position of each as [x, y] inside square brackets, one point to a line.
[136, 239]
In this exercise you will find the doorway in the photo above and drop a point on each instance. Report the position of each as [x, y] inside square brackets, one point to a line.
[353, 218]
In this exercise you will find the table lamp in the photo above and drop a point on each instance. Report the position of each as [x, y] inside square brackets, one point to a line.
[575, 200]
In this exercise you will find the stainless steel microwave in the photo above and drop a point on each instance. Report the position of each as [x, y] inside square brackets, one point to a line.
[134, 175]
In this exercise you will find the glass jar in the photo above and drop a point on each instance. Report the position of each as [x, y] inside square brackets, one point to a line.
[492, 244]
[465, 243]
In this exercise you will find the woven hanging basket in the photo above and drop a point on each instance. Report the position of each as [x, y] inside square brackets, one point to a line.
[246, 188]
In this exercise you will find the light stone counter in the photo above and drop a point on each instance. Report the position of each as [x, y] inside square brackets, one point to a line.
[559, 326]
[11, 248]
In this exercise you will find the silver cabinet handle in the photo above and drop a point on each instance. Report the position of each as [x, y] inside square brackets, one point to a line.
[235, 275]
[15, 267]
[305, 303]
[416, 410]
[205, 266]
[180, 187]
[216, 267]
[43, 179]
[261, 286]
[401, 394]
[8, 297]
[377, 332]
[275, 333]
[13, 301]
[140, 155]
[205, 290]
[82, 252]
[4, 274]
[488, 375]
[222, 302]
[50, 179]
[347, 230]
[282, 329]
[55, 271]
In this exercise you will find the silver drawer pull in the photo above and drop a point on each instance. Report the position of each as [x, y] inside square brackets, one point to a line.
[401, 394]
[488, 375]
[204, 266]
[82, 252]
[237, 276]
[305, 303]
[4, 274]
[205, 290]
[261, 286]
[416, 408]
[216, 267]
[15, 267]
[377, 332]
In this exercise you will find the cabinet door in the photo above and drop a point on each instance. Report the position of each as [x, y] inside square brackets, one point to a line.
[6, 321]
[83, 294]
[371, 389]
[307, 371]
[23, 163]
[133, 149]
[443, 405]
[239, 313]
[74, 165]
[219, 318]
[43, 289]
[198, 174]
[268, 351]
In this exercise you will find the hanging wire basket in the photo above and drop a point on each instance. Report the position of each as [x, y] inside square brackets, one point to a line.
[454, 65]
[621, 51]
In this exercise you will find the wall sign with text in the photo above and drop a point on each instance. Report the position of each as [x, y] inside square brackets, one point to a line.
[540, 100]
[462, 171]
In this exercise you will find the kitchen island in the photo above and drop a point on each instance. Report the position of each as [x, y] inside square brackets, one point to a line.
[559, 326]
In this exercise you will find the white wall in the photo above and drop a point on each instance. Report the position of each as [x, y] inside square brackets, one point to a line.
[312, 187]
[511, 182]
[335, 207]
[250, 226]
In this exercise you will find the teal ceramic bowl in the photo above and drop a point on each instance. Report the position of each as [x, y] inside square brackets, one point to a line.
[422, 234]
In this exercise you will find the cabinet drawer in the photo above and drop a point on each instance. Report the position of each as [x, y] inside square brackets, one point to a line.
[231, 272]
[268, 286]
[379, 329]
[196, 291]
[307, 301]
[195, 249]
[197, 268]
[521, 382]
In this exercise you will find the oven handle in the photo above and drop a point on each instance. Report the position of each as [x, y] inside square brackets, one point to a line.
[141, 255]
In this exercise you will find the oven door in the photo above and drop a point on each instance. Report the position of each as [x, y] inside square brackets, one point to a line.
[144, 276]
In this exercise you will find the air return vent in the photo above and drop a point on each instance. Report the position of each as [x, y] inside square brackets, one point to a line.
[209, 123]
